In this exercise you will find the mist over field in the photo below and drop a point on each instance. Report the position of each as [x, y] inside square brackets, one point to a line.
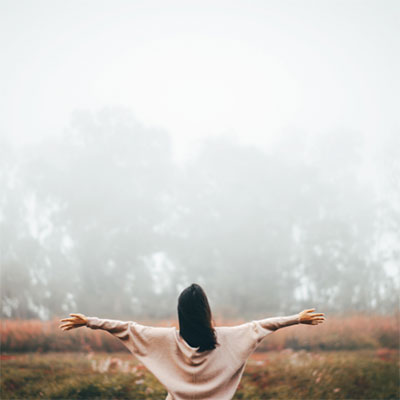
[146, 147]
[103, 221]
[251, 147]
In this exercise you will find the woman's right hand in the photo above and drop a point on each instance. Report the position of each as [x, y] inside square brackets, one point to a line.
[76, 321]
[306, 317]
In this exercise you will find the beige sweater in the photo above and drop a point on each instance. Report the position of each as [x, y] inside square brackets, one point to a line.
[184, 372]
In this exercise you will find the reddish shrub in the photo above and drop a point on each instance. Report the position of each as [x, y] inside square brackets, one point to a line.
[337, 333]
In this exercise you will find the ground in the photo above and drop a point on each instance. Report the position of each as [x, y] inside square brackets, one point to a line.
[287, 374]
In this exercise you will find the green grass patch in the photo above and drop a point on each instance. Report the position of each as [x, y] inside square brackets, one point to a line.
[366, 374]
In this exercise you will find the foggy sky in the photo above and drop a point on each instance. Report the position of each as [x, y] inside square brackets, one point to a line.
[250, 70]
[284, 113]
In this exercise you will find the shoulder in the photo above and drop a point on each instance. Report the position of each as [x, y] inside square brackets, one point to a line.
[152, 336]
[144, 340]
[235, 330]
[249, 331]
[152, 330]
[146, 333]
[239, 340]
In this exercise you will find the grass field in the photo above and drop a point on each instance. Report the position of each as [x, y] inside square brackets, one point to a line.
[287, 374]
[356, 332]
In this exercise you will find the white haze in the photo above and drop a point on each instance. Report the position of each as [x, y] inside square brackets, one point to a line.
[253, 70]
[243, 145]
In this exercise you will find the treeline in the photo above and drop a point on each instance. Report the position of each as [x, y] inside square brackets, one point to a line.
[103, 221]
[338, 333]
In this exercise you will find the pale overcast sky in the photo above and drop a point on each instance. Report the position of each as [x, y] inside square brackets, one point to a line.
[250, 69]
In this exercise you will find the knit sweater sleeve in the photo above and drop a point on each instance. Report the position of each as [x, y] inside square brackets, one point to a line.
[274, 323]
[242, 340]
[263, 327]
[140, 340]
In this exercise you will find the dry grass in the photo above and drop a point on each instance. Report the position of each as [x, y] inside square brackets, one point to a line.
[337, 333]
[279, 375]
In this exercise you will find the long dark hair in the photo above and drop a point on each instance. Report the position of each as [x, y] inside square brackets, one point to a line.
[195, 319]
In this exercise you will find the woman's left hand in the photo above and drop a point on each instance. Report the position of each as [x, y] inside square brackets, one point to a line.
[307, 317]
[76, 321]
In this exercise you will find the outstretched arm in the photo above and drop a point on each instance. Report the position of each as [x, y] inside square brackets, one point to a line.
[243, 339]
[139, 339]
[110, 325]
[304, 317]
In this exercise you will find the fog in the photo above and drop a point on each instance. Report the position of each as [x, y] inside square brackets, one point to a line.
[252, 148]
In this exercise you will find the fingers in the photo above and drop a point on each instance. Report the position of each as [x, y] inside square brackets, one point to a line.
[69, 325]
[75, 321]
[69, 328]
[315, 314]
[68, 320]
[66, 327]
[80, 316]
[317, 321]
[314, 321]
[312, 310]
[75, 318]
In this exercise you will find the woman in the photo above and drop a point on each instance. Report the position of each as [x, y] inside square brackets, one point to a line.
[199, 361]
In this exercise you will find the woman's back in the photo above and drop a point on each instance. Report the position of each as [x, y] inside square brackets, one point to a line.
[185, 372]
[200, 361]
